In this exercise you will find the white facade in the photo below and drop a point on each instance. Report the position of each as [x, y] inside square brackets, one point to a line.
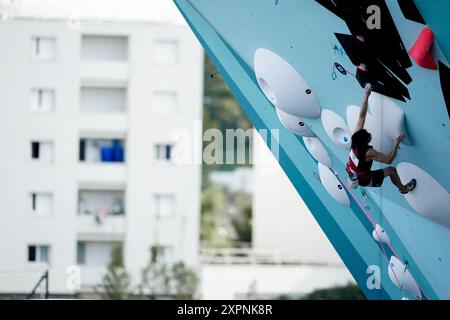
[91, 88]
[254, 281]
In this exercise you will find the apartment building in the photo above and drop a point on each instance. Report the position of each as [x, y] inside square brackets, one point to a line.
[86, 118]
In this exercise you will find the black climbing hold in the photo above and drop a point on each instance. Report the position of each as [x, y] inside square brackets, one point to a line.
[308, 91]
[444, 75]
[301, 124]
[340, 68]
[410, 11]
[376, 73]
[339, 187]
[382, 50]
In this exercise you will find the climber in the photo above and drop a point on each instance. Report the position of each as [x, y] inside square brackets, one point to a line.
[362, 155]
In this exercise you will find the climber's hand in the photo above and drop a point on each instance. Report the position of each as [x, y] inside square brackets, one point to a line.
[367, 90]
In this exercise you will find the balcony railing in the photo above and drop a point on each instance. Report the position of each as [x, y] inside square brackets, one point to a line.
[245, 255]
[100, 228]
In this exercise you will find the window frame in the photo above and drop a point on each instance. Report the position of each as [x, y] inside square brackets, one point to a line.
[33, 201]
[35, 56]
[38, 253]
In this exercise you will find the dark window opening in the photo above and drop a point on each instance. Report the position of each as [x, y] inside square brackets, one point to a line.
[35, 150]
[82, 149]
[168, 152]
[33, 201]
[31, 253]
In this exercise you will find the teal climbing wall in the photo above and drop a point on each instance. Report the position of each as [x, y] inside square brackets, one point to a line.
[302, 33]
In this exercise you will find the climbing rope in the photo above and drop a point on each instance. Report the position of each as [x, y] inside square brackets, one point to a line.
[370, 218]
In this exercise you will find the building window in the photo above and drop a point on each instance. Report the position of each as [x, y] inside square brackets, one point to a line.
[42, 100]
[41, 204]
[165, 103]
[104, 48]
[103, 100]
[161, 254]
[165, 52]
[81, 252]
[163, 152]
[101, 202]
[97, 253]
[38, 254]
[42, 151]
[43, 48]
[102, 150]
[164, 205]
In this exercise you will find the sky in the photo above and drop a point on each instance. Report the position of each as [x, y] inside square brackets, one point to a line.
[163, 11]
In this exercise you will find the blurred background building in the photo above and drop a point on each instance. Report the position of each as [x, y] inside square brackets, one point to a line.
[91, 93]
[88, 109]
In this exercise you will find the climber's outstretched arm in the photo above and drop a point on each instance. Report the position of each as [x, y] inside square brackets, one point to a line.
[373, 154]
[364, 107]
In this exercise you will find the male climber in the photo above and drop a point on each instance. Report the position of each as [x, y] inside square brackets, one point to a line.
[362, 155]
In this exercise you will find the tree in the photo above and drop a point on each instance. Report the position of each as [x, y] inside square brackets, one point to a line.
[220, 111]
[242, 223]
[116, 282]
[164, 280]
[185, 281]
[213, 206]
[348, 292]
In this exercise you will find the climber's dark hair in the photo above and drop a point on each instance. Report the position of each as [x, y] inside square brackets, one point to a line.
[360, 138]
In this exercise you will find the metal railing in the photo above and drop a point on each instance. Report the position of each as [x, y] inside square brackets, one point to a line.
[246, 255]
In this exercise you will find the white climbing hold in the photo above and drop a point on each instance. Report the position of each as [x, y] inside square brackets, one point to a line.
[336, 128]
[384, 120]
[333, 185]
[380, 235]
[294, 124]
[317, 150]
[402, 278]
[284, 86]
[429, 198]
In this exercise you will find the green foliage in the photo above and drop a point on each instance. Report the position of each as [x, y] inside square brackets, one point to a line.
[185, 281]
[162, 280]
[212, 207]
[348, 292]
[242, 223]
[220, 111]
[215, 201]
[115, 283]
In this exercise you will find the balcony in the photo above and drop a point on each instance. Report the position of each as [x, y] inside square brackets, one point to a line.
[104, 73]
[112, 123]
[102, 162]
[98, 228]
[101, 174]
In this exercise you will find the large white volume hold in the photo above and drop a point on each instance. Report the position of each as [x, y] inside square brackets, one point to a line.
[429, 198]
[402, 278]
[284, 86]
[317, 150]
[336, 128]
[384, 120]
[380, 235]
[294, 124]
[333, 185]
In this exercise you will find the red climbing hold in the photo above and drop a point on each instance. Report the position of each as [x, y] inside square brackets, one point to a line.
[420, 51]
